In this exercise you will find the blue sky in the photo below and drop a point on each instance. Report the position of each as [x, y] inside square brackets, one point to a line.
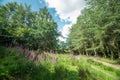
[64, 12]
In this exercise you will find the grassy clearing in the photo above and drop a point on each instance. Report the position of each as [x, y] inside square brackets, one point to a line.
[15, 65]
[110, 60]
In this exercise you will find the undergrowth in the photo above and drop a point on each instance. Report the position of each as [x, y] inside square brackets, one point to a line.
[15, 65]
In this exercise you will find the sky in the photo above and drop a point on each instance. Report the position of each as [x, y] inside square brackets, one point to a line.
[64, 12]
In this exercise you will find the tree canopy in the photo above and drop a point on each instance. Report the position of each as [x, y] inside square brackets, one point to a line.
[97, 31]
[21, 26]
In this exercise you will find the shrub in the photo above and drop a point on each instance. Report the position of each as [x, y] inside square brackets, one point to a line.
[85, 73]
[23, 70]
[43, 72]
[2, 52]
[61, 73]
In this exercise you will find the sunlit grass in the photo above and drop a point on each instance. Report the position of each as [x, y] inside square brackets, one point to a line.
[14, 65]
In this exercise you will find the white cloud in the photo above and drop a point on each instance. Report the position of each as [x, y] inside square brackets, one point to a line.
[67, 10]
[65, 32]
[66, 29]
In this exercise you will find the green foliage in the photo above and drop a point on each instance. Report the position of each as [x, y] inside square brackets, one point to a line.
[10, 60]
[61, 72]
[15, 66]
[63, 47]
[97, 29]
[21, 26]
[83, 72]
[23, 69]
[2, 52]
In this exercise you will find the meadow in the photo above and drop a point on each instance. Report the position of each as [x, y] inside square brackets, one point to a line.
[22, 64]
[41, 45]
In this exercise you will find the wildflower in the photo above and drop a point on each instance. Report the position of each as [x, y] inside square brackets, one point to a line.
[54, 59]
[29, 55]
[72, 56]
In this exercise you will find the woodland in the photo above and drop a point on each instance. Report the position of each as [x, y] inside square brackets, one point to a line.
[30, 48]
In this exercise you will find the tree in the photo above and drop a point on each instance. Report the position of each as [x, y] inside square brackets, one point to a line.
[94, 28]
[46, 30]
[20, 26]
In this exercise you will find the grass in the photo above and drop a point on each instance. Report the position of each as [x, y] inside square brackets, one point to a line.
[14, 65]
[110, 61]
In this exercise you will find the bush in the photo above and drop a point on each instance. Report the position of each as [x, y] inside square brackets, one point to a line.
[61, 73]
[85, 73]
[2, 52]
[23, 71]
[44, 72]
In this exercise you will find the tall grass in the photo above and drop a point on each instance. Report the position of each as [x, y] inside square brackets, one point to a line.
[20, 64]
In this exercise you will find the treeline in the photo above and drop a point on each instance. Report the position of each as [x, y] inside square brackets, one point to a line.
[97, 31]
[21, 26]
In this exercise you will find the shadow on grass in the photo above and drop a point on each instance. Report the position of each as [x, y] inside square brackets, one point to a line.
[118, 74]
[62, 73]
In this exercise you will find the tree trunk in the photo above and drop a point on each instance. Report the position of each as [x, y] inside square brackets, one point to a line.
[119, 54]
[104, 55]
[112, 55]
